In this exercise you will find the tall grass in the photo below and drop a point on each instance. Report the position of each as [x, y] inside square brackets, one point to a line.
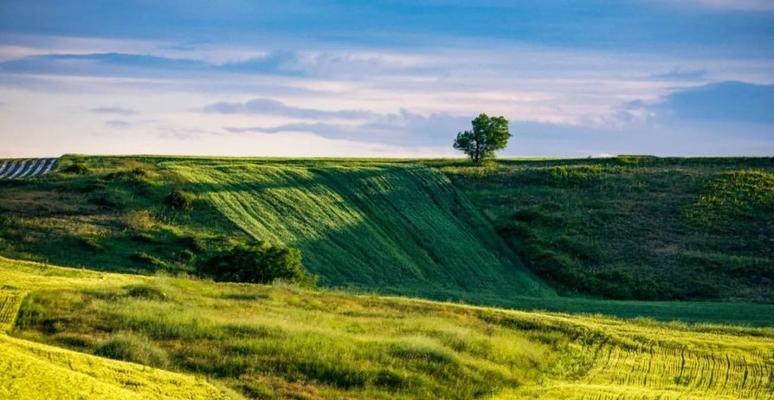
[283, 341]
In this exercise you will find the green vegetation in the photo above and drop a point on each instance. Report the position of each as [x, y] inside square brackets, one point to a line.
[263, 263]
[623, 228]
[36, 371]
[285, 342]
[635, 227]
[113, 214]
[378, 226]
[487, 136]
[129, 347]
[375, 226]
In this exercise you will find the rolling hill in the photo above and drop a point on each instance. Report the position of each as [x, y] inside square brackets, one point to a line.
[634, 227]
[622, 228]
[213, 340]
[372, 226]
[134, 322]
[379, 226]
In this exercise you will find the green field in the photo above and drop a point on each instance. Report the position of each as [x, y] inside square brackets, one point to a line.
[620, 228]
[135, 320]
[284, 342]
[374, 226]
[632, 227]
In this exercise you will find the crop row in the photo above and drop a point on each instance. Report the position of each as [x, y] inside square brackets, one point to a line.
[9, 304]
[18, 169]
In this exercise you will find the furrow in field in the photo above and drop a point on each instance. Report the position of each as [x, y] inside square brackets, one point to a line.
[19, 169]
[9, 305]
[377, 226]
[31, 370]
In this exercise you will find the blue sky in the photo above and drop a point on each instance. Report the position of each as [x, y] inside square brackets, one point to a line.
[386, 78]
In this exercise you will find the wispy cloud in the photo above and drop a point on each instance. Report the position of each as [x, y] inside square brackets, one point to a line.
[721, 102]
[114, 110]
[586, 78]
[118, 124]
[746, 5]
[403, 128]
[264, 106]
[679, 74]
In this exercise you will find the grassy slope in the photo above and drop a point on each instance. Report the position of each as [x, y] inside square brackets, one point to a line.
[634, 227]
[113, 217]
[282, 342]
[375, 226]
[372, 226]
[33, 370]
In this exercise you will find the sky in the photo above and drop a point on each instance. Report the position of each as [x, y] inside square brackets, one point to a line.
[575, 78]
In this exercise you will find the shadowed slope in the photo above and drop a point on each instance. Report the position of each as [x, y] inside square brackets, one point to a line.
[387, 227]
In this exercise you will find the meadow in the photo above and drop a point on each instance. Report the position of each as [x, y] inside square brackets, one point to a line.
[439, 229]
[369, 226]
[634, 227]
[256, 341]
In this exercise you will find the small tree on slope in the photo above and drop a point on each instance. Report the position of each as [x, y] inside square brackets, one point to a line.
[488, 135]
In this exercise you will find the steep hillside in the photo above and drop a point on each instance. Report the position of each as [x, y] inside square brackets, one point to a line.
[635, 227]
[380, 226]
[386, 227]
[267, 342]
[622, 228]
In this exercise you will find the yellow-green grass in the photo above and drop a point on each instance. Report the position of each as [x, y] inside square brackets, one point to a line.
[286, 342]
[37, 371]
[114, 217]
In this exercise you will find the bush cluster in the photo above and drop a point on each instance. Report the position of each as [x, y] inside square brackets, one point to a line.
[130, 347]
[179, 200]
[261, 263]
[76, 169]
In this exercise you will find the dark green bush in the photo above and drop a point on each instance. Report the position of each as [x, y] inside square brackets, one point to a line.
[262, 263]
[179, 200]
[145, 292]
[128, 347]
[192, 243]
[149, 260]
[76, 169]
[89, 243]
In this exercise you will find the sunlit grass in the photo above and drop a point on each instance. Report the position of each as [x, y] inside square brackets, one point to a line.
[282, 341]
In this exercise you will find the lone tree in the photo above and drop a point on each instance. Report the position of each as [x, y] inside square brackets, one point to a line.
[488, 135]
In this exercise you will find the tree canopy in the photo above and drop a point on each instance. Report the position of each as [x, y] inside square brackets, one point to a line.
[488, 135]
[261, 263]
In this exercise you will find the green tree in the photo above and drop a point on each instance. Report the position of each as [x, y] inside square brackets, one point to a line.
[488, 135]
[261, 263]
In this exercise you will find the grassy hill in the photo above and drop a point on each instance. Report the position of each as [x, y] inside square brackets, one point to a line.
[380, 226]
[283, 342]
[621, 228]
[387, 227]
[35, 370]
[635, 227]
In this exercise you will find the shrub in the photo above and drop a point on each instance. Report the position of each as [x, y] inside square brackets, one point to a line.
[141, 220]
[149, 260]
[128, 347]
[743, 194]
[192, 243]
[89, 243]
[76, 169]
[179, 200]
[262, 263]
[145, 292]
